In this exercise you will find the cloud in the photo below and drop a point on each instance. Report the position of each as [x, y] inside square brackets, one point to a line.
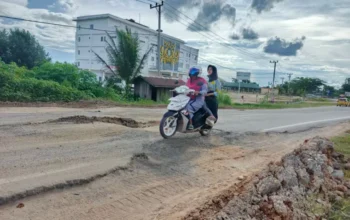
[172, 8]
[66, 6]
[209, 12]
[234, 36]
[49, 36]
[17, 2]
[249, 34]
[283, 48]
[230, 13]
[263, 5]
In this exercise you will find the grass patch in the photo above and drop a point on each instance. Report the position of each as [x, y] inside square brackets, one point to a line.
[341, 209]
[342, 144]
[278, 105]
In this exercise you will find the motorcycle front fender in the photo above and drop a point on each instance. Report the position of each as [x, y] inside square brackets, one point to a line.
[182, 123]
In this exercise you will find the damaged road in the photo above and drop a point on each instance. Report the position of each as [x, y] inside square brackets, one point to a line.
[89, 164]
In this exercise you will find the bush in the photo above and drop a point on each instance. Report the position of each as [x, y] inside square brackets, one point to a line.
[224, 99]
[18, 89]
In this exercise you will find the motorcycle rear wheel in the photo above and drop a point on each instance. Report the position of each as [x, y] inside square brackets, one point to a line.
[205, 132]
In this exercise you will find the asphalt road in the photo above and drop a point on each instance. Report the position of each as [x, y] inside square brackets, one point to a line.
[229, 120]
[36, 157]
[33, 153]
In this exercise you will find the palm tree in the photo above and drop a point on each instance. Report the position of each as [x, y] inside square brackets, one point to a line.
[124, 55]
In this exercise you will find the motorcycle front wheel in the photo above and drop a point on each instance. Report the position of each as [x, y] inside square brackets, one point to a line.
[168, 125]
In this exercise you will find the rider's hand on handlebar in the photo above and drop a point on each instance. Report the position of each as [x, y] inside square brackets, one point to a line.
[196, 92]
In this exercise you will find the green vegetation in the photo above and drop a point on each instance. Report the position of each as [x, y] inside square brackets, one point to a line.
[51, 82]
[278, 105]
[341, 209]
[342, 144]
[21, 47]
[224, 99]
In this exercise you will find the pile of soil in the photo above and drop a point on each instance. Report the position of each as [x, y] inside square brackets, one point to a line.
[303, 185]
[127, 122]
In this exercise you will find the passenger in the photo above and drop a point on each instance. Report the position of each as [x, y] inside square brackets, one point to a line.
[200, 86]
[214, 86]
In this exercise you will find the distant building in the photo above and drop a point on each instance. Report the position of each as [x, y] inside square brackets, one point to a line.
[243, 87]
[243, 76]
[155, 88]
[176, 57]
[268, 90]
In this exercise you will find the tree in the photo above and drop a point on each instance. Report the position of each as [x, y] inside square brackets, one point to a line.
[124, 55]
[302, 85]
[21, 47]
[328, 90]
[346, 87]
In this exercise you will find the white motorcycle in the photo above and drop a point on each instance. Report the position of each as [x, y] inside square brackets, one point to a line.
[177, 119]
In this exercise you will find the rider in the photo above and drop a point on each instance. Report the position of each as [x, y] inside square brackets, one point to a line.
[200, 86]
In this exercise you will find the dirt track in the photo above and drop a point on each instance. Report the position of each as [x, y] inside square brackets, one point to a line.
[144, 177]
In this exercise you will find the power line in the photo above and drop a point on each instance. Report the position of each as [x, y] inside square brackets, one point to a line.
[61, 25]
[216, 64]
[202, 27]
[142, 2]
[206, 36]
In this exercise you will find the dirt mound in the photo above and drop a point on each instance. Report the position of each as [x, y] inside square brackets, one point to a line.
[301, 186]
[128, 122]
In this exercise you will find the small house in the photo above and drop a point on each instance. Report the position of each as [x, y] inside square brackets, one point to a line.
[155, 88]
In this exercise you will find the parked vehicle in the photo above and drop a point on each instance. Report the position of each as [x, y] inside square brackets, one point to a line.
[343, 102]
[176, 119]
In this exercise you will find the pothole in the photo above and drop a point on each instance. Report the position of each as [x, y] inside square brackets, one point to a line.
[127, 122]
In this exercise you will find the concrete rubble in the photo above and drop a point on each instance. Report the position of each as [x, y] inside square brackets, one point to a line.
[303, 185]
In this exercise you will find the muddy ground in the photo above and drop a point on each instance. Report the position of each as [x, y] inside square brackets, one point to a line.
[89, 167]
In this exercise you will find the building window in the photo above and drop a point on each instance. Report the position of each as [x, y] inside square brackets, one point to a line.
[79, 27]
[195, 57]
[89, 51]
[78, 52]
[100, 78]
[78, 63]
[152, 59]
[181, 65]
[104, 38]
[101, 39]
[91, 26]
[78, 39]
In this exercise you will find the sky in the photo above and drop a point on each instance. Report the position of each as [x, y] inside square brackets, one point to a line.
[308, 38]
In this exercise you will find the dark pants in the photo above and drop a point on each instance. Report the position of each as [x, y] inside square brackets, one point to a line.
[213, 105]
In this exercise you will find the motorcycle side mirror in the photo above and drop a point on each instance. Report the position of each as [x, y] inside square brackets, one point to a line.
[176, 82]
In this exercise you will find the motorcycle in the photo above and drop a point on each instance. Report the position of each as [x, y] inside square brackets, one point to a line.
[177, 119]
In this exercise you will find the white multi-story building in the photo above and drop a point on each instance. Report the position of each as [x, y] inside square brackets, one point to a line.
[91, 37]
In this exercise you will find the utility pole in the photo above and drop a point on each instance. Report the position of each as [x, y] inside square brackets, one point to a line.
[158, 7]
[282, 78]
[273, 80]
[289, 77]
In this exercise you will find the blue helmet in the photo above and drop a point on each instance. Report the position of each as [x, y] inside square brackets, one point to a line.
[194, 71]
